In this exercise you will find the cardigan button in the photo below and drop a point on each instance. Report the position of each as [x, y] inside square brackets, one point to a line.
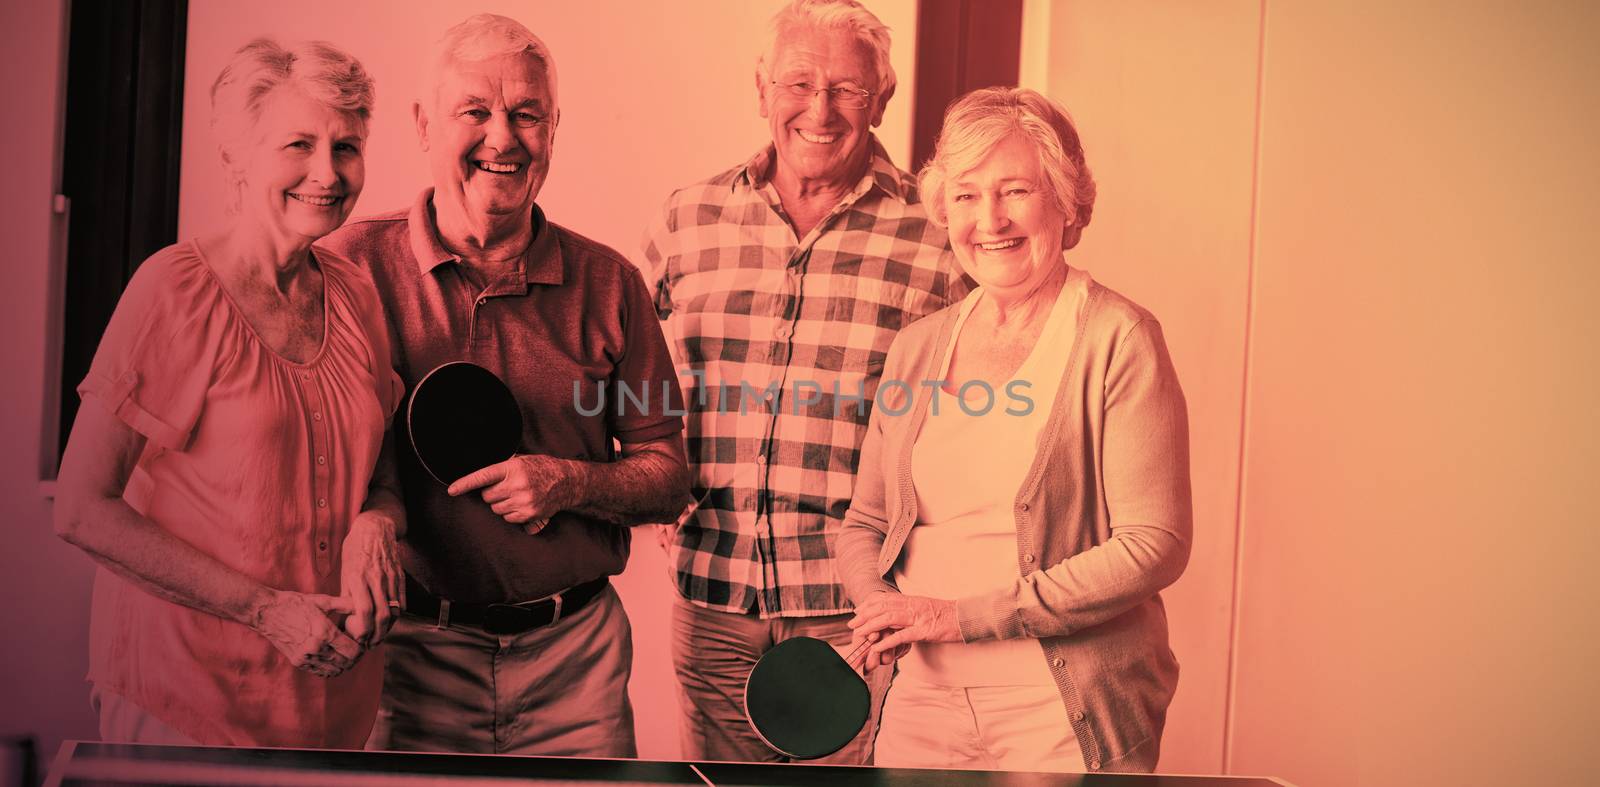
[1077, 715]
[1060, 662]
[1027, 558]
[1024, 506]
[1094, 765]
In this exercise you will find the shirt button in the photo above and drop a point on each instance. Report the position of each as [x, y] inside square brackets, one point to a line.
[761, 459]
[1027, 558]
[783, 331]
[482, 301]
[322, 502]
[322, 460]
[316, 416]
[322, 546]
[1059, 662]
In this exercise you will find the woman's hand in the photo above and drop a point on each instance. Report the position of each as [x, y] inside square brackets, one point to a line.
[301, 627]
[371, 578]
[893, 622]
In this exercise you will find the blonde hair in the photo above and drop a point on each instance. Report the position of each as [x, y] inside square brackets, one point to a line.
[479, 38]
[979, 121]
[847, 15]
[321, 70]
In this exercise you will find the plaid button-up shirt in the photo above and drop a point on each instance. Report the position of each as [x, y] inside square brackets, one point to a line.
[779, 342]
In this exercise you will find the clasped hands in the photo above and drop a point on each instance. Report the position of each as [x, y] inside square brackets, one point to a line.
[325, 635]
[893, 622]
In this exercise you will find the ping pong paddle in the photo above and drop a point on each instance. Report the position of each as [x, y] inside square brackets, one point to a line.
[805, 701]
[462, 418]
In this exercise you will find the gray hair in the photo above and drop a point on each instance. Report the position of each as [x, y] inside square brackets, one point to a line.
[479, 38]
[979, 121]
[847, 15]
[321, 70]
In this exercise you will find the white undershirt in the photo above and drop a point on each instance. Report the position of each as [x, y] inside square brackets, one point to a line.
[967, 470]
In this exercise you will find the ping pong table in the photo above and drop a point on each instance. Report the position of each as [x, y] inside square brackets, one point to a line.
[87, 763]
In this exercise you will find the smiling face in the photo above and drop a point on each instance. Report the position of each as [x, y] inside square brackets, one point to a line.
[816, 140]
[1005, 227]
[488, 135]
[302, 175]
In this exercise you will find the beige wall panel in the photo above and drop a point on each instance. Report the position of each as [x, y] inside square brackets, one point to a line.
[1420, 529]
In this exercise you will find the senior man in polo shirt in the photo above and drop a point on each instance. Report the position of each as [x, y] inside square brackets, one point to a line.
[781, 283]
[512, 639]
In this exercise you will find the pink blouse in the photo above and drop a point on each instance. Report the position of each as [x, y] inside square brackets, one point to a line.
[257, 461]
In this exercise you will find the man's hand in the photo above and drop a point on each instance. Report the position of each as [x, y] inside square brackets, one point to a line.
[371, 579]
[527, 489]
[300, 627]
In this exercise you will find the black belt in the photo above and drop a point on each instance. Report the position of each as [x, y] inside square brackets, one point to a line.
[501, 619]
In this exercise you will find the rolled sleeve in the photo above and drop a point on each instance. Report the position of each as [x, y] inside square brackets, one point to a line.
[153, 367]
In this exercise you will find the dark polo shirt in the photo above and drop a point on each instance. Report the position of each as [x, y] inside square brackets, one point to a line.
[573, 311]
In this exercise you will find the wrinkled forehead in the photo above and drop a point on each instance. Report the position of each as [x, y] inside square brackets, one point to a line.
[513, 80]
[834, 53]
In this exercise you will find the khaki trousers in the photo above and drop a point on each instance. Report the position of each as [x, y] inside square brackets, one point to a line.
[561, 690]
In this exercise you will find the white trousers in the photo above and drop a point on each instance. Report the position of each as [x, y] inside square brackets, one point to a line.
[121, 721]
[1008, 728]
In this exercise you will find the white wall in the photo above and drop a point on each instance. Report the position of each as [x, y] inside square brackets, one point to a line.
[653, 95]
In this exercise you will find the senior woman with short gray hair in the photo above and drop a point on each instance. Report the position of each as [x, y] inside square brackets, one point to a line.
[222, 467]
[1021, 601]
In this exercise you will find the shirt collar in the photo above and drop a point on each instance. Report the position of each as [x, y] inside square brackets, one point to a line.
[881, 171]
[541, 263]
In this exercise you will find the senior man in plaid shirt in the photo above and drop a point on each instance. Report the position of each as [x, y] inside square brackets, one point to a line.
[781, 283]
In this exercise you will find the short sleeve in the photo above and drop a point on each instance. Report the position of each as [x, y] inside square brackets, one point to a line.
[658, 250]
[645, 365]
[157, 357]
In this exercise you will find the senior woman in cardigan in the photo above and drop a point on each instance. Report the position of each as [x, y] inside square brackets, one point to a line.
[1023, 491]
[222, 467]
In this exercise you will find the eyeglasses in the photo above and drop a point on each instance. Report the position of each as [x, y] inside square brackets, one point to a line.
[842, 97]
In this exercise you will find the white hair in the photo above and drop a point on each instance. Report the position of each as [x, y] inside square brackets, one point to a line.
[321, 70]
[477, 39]
[847, 15]
[978, 122]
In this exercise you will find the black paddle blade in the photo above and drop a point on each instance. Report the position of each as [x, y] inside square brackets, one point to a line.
[462, 418]
[804, 700]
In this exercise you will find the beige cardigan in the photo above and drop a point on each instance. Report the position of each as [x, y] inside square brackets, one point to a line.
[1103, 521]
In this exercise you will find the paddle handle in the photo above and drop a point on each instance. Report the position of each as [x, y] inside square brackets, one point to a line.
[857, 658]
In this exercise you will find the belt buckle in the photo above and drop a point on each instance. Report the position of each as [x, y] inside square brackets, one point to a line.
[504, 619]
